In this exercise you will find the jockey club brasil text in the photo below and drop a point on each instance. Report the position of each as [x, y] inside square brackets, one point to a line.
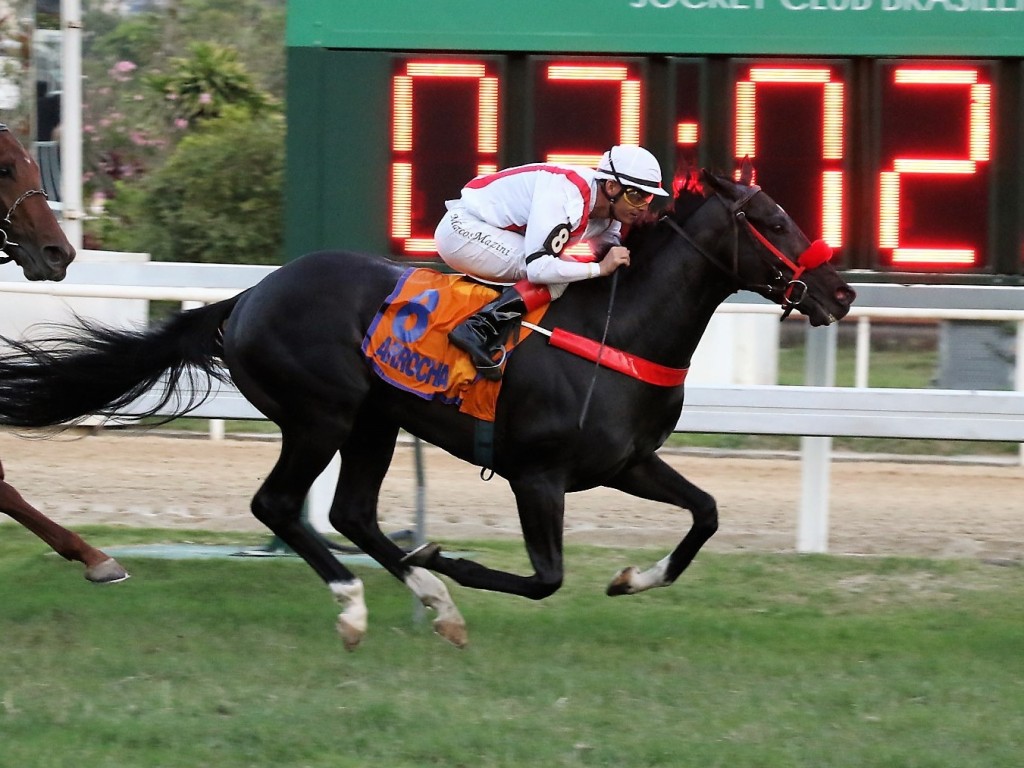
[837, 5]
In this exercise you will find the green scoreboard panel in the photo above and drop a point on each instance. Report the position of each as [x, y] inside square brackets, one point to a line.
[891, 129]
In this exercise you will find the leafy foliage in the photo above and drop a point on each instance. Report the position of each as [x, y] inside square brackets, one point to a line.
[200, 86]
[218, 198]
[156, 82]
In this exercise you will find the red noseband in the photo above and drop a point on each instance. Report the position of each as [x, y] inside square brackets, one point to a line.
[817, 253]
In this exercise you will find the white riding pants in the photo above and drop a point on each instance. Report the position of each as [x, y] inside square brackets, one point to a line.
[482, 250]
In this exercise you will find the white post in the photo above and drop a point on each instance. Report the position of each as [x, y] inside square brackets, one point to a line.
[863, 352]
[816, 452]
[71, 120]
[1018, 376]
[215, 427]
[321, 496]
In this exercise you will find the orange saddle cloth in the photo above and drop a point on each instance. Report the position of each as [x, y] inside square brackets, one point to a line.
[407, 343]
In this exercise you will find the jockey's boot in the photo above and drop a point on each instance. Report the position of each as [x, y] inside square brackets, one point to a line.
[483, 335]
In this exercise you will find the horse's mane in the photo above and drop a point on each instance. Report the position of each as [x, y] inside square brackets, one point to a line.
[689, 195]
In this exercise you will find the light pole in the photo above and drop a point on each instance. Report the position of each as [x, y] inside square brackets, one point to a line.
[71, 120]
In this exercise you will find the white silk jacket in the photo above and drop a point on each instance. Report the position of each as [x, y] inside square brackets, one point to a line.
[537, 201]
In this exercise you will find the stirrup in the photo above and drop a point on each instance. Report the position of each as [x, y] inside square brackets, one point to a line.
[488, 371]
[493, 370]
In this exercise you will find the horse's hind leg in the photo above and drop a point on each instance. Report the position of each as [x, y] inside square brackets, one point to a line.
[655, 480]
[541, 508]
[365, 459]
[278, 505]
[100, 568]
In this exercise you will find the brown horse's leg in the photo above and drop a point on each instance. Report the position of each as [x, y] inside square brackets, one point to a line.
[99, 567]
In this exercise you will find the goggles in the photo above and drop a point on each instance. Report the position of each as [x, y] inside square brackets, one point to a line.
[637, 198]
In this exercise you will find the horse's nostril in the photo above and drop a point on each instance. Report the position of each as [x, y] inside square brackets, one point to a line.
[845, 295]
[58, 256]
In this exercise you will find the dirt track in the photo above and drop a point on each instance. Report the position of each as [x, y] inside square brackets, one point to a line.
[946, 510]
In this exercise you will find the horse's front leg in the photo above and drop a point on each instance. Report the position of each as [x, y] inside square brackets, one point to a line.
[100, 568]
[541, 507]
[655, 480]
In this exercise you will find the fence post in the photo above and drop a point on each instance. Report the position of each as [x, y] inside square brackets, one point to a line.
[1018, 376]
[419, 614]
[816, 452]
[863, 361]
[215, 427]
[71, 121]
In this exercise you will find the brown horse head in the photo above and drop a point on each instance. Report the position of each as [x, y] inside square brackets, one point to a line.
[29, 233]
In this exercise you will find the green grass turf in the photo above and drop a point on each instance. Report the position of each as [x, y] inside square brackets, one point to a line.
[749, 660]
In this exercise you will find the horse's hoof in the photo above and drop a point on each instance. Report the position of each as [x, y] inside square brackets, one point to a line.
[452, 631]
[107, 572]
[351, 635]
[622, 584]
[423, 555]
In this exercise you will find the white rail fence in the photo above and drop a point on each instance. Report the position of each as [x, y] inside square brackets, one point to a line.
[818, 411]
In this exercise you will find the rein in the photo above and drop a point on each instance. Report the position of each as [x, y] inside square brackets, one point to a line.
[600, 351]
[5, 239]
[795, 289]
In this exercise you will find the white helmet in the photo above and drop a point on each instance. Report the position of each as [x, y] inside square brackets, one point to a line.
[632, 166]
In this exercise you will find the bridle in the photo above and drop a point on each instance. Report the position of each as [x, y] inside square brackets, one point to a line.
[788, 292]
[5, 239]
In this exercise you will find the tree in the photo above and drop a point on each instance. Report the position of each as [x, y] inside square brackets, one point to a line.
[130, 125]
[218, 198]
[200, 86]
[173, 129]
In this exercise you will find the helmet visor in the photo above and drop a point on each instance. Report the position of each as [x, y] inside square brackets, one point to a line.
[637, 198]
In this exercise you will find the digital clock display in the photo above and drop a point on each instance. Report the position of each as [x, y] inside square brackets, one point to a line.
[889, 163]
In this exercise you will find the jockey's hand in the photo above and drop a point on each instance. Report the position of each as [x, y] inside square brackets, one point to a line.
[617, 256]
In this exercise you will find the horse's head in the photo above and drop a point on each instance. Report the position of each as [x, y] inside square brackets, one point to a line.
[763, 249]
[29, 232]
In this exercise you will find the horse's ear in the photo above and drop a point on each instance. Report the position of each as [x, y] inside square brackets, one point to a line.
[713, 183]
[746, 172]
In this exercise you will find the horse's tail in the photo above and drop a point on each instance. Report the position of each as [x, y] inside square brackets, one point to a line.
[88, 369]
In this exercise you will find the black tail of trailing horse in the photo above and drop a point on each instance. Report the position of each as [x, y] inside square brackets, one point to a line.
[85, 369]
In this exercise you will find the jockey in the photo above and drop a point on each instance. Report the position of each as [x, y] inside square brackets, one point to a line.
[514, 226]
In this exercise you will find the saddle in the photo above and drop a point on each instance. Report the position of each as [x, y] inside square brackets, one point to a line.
[407, 342]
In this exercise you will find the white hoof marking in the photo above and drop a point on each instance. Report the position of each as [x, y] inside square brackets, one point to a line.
[432, 592]
[631, 580]
[352, 621]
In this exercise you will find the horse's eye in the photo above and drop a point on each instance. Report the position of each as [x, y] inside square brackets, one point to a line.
[5, 171]
[778, 229]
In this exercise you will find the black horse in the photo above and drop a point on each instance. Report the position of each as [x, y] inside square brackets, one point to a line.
[292, 346]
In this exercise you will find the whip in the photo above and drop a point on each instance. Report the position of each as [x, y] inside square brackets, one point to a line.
[600, 352]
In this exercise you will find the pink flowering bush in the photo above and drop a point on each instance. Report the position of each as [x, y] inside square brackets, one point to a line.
[122, 135]
[122, 71]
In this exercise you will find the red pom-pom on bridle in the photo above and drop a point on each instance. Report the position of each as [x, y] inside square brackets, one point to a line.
[817, 253]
